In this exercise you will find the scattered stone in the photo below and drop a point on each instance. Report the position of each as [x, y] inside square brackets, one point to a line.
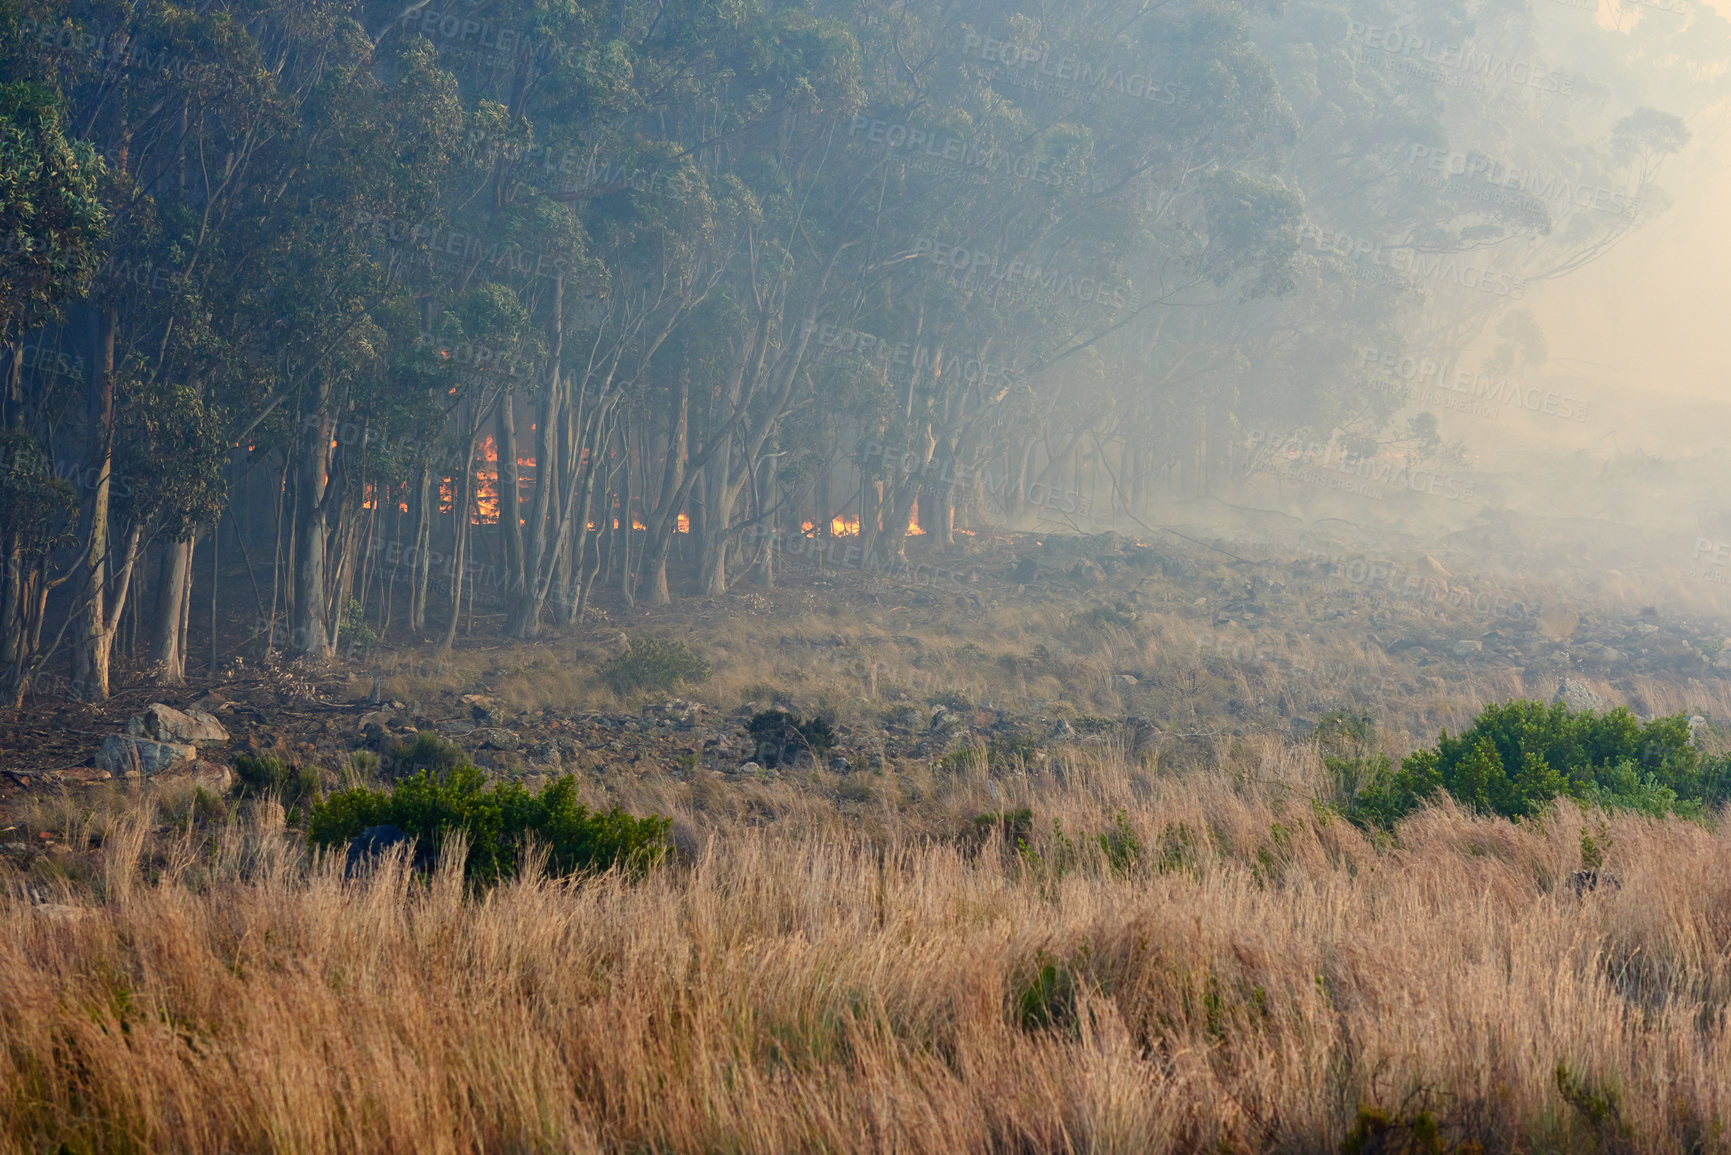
[166, 724]
[494, 738]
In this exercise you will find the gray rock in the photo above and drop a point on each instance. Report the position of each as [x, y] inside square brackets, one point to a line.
[166, 724]
[1467, 646]
[131, 757]
[494, 738]
[1577, 695]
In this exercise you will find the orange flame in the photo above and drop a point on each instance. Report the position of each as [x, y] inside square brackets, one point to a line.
[683, 525]
[914, 529]
[844, 526]
[487, 485]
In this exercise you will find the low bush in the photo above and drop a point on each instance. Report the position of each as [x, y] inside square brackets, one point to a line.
[292, 785]
[1520, 756]
[498, 822]
[653, 665]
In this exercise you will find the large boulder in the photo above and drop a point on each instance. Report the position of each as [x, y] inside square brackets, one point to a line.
[125, 756]
[1578, 696]
[166, 724]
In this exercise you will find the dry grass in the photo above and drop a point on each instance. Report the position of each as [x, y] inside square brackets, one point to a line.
[845, 965]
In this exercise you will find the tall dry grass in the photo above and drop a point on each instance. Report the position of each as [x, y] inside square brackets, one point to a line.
[1229, 969]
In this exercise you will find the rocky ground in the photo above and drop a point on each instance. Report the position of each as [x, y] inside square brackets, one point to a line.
[1027, 645]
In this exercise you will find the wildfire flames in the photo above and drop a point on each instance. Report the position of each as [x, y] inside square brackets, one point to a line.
[847, 526]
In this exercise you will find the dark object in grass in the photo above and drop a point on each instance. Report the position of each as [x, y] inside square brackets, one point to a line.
[366, 848]
[780, 737]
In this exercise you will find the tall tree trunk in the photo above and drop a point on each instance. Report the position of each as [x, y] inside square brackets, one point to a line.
[318, 493]
[170, 590]
[93, 633]
[665, 519]
[424, 502]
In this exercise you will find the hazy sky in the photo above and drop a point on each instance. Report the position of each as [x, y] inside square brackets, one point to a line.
[1652, 318]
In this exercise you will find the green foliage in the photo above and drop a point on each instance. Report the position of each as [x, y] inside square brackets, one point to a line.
[1595, 847]
[1122, 848]
[1014, 826]
[425, 751]
[354, 632]
[52, 218]
[1048, 999]
[653, 665]
[1376, 1131]
[1519, 756]
[290, 784]
[498, 822]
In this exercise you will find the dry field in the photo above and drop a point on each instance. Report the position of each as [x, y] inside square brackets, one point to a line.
[1186, 962]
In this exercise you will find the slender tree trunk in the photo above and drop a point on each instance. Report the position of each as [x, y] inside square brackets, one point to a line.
[424, 501]
[93, 633]
[170, 590]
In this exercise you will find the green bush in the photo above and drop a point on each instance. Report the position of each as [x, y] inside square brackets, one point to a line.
[425, 751]
[653, 665]
[1520, 756]
[497, 821]
[354, 634]
[291, 784]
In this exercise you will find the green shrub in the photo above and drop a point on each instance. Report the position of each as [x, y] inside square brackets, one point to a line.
[354, 634]
[497, 821]
[292, 785]
[425, 751]
[1048, 999]
[1520, 756]
[653, 665]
